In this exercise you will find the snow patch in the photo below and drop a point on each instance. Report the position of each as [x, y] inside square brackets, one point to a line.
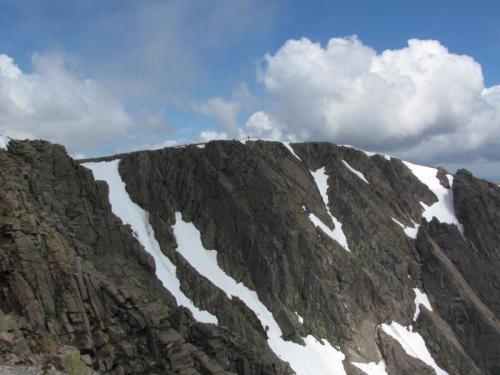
[300, 319]
[443, 209]
[355, 171]
[372, 368]
[200, 146]
[321, 179]
[411, 341]
[132, 214]
[410, 231]
[317, 222]
[287, 145]
[4, 142]
[413, 344]
[420, 299]
[315, 358]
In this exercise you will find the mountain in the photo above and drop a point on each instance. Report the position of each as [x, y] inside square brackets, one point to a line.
[251, 257]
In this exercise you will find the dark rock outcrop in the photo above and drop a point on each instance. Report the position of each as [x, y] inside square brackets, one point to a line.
[477, 205]
[73, 274]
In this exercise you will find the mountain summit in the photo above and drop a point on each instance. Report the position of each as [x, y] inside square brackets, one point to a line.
[253, 257]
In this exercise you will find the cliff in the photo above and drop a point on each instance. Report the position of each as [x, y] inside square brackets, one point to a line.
[250, 258]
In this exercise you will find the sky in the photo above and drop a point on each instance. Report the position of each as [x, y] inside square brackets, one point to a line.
[418, 80]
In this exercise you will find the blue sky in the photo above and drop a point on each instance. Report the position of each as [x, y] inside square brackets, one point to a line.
[177, 68]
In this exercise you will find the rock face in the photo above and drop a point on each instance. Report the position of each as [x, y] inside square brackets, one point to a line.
[74, 277]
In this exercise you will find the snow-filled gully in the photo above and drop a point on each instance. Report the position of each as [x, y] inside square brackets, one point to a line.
[130, 213]
[409, 339]
[321, 179]
[443, 209]
[316, 356]
[360, 175]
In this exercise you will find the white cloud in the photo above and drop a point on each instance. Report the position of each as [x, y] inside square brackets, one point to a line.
[261, 125]
[159, 145]
[54, 104]
[210, 135]
[420, 101]
[226, 111]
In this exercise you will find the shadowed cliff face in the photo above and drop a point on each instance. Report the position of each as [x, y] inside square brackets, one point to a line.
[71, 271]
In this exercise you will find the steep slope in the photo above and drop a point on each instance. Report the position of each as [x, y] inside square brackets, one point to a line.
[72, 274]
[304, 253]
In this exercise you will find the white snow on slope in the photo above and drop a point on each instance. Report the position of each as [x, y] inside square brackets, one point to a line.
[413, 344]
[315, 358]
[420, 299]
[371, 368]
[301, 319]
[4, 142]
[443, 209]
[410, 232]
[317, 222]
[130, 213]
[411, 341]
[355, 171]
[321, 179]
[287, 145]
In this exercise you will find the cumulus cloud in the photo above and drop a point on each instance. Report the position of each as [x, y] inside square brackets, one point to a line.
[420, 101]
[226, 111]
[262, 125]
[55, 104]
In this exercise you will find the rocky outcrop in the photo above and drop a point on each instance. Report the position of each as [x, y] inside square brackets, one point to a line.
[477, 205]
[461, 271]
[72, 275]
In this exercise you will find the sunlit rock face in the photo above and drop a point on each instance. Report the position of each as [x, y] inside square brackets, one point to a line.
[251, 257]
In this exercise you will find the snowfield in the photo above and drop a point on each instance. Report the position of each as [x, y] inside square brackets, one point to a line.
[372, 368]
